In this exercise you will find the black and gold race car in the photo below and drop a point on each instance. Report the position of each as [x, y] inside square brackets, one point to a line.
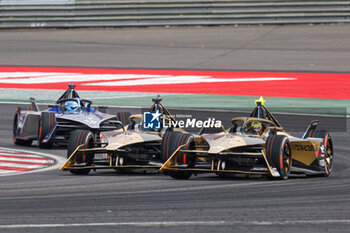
[253, 145]
[134, 146]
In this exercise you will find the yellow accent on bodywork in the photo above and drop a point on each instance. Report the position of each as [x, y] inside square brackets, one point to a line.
[135, 116]
[171, 159]
[66, 165]
[267, 162]
[261, 100]
[242, 119]
[132, 118]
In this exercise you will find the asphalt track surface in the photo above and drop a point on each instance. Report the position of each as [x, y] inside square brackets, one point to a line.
[104, 201]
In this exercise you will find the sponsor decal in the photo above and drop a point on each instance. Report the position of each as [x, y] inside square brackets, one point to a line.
[322, 149]
[305, 148]
[322, 162]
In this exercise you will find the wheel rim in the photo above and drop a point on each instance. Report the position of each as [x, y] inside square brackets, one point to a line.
[328, 153]
[86, 158]
[286, 159]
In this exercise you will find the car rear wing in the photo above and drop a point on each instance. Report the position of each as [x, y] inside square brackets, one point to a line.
[310, 128]
[35, 106]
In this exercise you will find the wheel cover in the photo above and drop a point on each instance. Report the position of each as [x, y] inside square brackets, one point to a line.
[286, 159]
[328, 153]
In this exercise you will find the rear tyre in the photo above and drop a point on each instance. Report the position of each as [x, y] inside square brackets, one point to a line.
[16, 130]
[46, 124]
[123, 117]
[171, 141]
[279, 154]
[327, 149]
[77, 138]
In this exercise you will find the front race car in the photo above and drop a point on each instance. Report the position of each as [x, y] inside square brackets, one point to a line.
[254, 145]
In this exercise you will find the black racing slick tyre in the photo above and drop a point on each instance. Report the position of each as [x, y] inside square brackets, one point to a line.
[279, 154]
[170, 143]
[326, 149]
[16, 130]
[77, 138]
[46, 124]
[123, 117]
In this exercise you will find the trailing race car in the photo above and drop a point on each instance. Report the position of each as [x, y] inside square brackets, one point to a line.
[54, 125]
[254, 145]
[133, 146]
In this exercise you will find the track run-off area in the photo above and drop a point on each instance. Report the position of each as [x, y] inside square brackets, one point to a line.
[13, 162]
[272, 84]
[216, 70]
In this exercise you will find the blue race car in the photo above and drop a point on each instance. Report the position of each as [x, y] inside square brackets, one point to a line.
[55, 124]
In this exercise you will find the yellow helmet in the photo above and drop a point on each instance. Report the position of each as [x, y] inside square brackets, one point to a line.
[258, 127]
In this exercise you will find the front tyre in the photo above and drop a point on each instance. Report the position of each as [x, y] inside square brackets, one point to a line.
[46, 124]
[171, 141]
[279, 154]
[77, 138]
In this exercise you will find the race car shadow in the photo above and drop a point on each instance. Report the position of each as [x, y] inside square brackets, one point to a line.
[246, 177]
[125, 172]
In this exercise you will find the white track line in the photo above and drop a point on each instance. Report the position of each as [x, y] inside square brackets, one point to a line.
[20, 159]
[5, 172]
[24, 155]
[180, 223]
[12, 152]
[19, 165]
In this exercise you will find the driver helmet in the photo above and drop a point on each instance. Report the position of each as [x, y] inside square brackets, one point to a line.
[71, 106]
[258, 127]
